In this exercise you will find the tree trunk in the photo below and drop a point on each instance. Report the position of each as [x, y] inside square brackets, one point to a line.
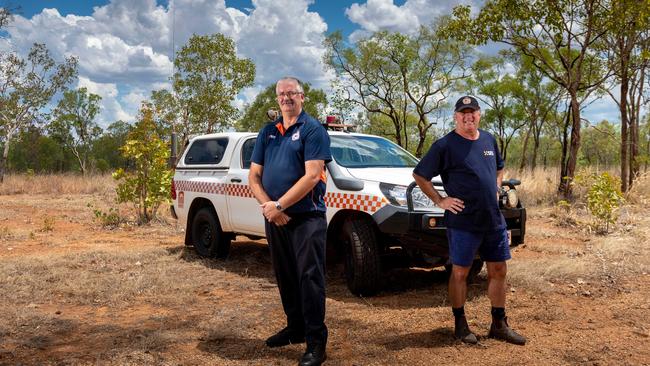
[422, 137]
[80, 160]
[5, 156]
[533, 159]
[398, 132]
[522, 164]
[625, 163]
[634, 132]
[575, 144]
[565, 143]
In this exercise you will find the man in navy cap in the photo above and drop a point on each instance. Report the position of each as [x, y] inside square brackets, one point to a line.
[470, 165]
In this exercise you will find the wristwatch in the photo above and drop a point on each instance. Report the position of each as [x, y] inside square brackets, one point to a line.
[278, 206]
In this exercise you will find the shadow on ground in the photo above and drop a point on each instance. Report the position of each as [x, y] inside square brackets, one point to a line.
[402, 288]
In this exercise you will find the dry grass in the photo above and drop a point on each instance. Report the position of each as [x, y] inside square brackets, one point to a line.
[570, 251]
[99, 277]
[78, 294]
[538, 187]
[640, 191]
[56, 184]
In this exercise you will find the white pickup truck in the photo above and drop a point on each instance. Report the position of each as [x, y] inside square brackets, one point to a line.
[373, 206]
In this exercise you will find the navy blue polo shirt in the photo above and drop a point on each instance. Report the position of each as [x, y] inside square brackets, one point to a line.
[468, 169]
[283, 155]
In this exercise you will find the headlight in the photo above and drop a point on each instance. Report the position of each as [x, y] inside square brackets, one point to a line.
[396, 195]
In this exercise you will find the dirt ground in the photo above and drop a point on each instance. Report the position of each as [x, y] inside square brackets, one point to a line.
[75, 293]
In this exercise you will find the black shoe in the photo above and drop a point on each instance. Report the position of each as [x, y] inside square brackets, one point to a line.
[314, 355]
[285, 337]
[501, 330]
[462, 331]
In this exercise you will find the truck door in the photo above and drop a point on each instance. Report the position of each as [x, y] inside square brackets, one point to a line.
[245, 213]
[202, 174]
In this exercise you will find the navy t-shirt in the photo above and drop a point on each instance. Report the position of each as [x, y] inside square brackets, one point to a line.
[283, 155]
[468, 169]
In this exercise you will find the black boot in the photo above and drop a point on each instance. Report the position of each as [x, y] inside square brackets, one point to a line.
[501, 330]
[285, 337]
[314, 355]
[462, 331]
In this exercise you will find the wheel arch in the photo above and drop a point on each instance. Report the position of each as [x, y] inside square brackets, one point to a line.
[197, 204]
[335, 228]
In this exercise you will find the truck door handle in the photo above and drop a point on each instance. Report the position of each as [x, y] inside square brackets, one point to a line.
[235, 180]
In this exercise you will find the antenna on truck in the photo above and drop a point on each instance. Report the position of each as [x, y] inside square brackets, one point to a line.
[172, 156]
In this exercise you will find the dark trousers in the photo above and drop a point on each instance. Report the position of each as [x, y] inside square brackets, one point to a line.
[298, 255]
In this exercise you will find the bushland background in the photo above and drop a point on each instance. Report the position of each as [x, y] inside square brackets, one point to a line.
[80, 289]
[88, 278]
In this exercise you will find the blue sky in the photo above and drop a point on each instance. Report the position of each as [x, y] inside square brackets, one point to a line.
[330, 10]
[125, 46]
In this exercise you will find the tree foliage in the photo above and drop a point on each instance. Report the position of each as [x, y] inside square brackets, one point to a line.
[209, 76]
[560, 37]
[626, 46]
[74, 124]
[106, 148]
[255, 114]
[26, 86]
[600, 144]
[34, 151]
[396, 75]
[5, 17]
[503, 115]
[147, 185]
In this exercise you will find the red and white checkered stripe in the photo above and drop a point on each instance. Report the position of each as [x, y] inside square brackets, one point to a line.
[359, 202]
[239, 190]
[200, 187]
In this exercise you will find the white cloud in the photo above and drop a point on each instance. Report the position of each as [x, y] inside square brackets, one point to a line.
[111, 108]
[283, 38]
[125, 47]
[377, 15]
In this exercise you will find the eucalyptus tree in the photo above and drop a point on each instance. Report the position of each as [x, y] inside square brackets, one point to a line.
[560, 37]
[538, 98]
[368, 80]
[208, 78]
[626, 46]
[74, 125]
[398, 75]
[26, 86]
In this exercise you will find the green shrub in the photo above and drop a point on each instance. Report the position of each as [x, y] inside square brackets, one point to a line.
[147, 186]
[604, 198]
[110, 219]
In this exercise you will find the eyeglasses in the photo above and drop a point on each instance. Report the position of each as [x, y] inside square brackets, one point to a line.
[289, 94]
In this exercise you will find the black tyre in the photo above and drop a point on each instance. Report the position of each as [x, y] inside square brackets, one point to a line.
[362, 262]
[476, 268]
[207, 237]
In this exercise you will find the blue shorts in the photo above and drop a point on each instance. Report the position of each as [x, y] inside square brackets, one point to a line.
[492, 246]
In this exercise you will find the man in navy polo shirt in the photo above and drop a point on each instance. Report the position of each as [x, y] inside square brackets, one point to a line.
[287, 177]
[470, 165]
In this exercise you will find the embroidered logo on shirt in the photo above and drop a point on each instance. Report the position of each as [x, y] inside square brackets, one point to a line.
[295, 136]
[488, 153]
[271, 136]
